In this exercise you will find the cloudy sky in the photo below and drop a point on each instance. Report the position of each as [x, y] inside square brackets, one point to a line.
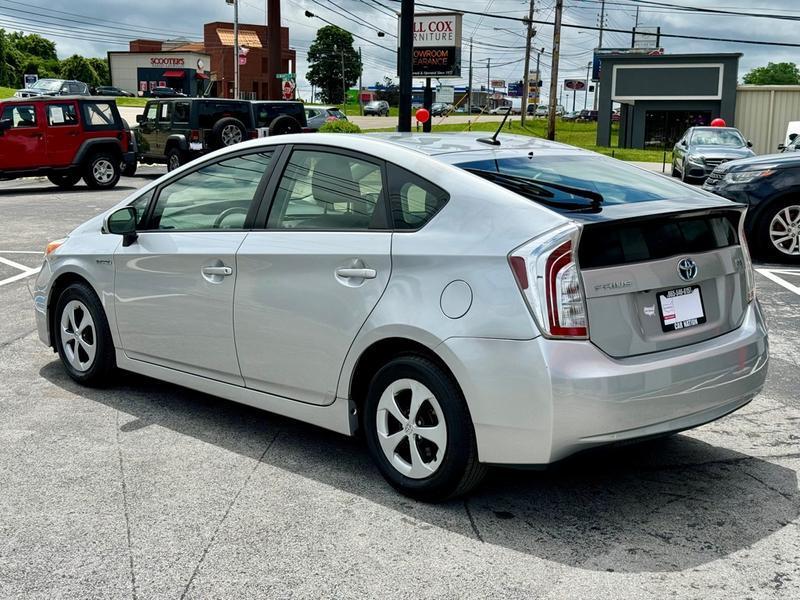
[91, 27]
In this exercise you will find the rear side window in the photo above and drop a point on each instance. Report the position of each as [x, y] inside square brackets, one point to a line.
[99, 115]
[414, 200]
[62, 114]
[165, 112]
[20, 115]
[266, 113]
[181, 112]
[76, 88]
[209, 112]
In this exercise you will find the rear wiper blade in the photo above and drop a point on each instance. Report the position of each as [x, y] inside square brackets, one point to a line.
[534, 187]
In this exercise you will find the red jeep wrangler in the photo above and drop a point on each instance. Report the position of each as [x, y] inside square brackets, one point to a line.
[65, 138]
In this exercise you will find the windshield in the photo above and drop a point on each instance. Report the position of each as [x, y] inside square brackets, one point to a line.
[717, 137]
[615, 181]
[374, 104]
[48, 85]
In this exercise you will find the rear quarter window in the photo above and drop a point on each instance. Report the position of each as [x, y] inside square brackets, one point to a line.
[414, 200]
[208, 113]
[99, 116]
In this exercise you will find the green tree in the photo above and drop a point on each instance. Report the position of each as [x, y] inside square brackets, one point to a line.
[6, 75]
[785, 73]
[100, 66]
[33, 45]
[77, 67]
[325, 63]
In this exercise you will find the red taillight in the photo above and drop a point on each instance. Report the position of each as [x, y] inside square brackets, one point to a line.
[194, 136]
[254, 134]
[547, 274]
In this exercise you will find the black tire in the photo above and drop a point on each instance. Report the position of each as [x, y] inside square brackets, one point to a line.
[99, 371]
[764, 244]
[684, 177]
[175, 158]
[102, 171]
[222, 129]
[65, 181]
[283, 125]
[675, 172]
[459, 470]
[129, 169]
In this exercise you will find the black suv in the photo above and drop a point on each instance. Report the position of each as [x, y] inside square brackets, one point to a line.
[177, 130]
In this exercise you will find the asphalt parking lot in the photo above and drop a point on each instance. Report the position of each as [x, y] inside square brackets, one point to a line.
[150, 491]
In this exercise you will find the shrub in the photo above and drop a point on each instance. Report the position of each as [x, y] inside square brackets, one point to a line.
[340, 127]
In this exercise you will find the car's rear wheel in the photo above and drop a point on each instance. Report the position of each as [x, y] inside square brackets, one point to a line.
[284, 125]
[64, 180]
[82, 336]
[779, 231]
[419, 431]
[102, 171]
[175, 158]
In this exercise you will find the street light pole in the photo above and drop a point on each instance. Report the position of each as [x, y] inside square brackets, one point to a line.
[360, 83]
[469, 98]
[405, 60]
[586, 95]
[526, 75]
[236, 49]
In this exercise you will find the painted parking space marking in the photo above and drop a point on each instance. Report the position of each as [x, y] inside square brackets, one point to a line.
[780, 276]
[24, 270]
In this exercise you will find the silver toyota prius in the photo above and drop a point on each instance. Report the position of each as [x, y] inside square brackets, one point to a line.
[464, 302]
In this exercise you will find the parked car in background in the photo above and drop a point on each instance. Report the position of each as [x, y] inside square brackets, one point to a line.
[793, 144]
[701, 149]
[615, 117]
[279, 117]
[440, 109]
[770, 186]
[110, 90]
[587, 116]
[54, 87]
[177, 130]
[165, 92]
[378, 108]
[571, 116]
[65, 139]
[348, 281]
[541, 111]
[501, 110]
[317, 116]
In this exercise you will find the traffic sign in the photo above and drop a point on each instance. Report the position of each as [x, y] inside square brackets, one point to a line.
[285, 76]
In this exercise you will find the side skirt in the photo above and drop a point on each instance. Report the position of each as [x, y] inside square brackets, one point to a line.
[338, 416]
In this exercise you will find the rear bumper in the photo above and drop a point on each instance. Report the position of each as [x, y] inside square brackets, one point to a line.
[538, 401]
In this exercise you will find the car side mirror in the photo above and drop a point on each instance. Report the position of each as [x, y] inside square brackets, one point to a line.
[781, 147]
[792, 136]
[140, 119]
[683, 144]
[749, 144]
[123, 222]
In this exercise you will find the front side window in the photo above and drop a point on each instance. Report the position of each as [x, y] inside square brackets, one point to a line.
[322, 190]
[62, 114]
[414, 200]
[76, 88]
[140, 206]
[20, 115]
[215, 196]
[151, 111]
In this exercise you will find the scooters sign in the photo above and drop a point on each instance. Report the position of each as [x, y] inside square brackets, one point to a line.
[437, 45]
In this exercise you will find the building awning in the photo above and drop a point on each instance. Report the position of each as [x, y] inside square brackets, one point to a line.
[201, 75]
[173, 74]
[247, 38]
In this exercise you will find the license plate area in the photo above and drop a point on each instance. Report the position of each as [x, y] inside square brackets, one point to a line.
[681, 308]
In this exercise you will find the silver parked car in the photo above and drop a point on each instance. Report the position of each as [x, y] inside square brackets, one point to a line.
[702, 149]
[317, 116]
[461, 303]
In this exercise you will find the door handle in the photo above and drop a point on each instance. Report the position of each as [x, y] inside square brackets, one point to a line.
[217, 271]
[356, 273]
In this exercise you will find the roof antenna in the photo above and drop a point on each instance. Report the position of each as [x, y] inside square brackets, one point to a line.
[493, 141]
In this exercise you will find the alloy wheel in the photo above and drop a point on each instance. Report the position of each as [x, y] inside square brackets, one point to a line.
[411, 428]
[231, 134]
[78, 335]
[103, 171]
[174, 162]
[784, 230]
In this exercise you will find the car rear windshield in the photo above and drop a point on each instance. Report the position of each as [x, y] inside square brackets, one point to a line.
[335, 112]
[615, 181]
[209, 112]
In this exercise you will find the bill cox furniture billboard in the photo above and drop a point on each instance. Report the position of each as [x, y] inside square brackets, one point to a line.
[437, 44]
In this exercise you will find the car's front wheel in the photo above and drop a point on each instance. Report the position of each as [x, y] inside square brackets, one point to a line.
[82, 336]
[65, 181]
[779, 231]
[102, 171]
[419, 431]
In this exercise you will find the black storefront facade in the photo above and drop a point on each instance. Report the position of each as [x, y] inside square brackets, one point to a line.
[661, 96]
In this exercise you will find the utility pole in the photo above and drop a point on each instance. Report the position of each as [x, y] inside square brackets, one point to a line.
[236, 49]
[551, 114]
[405, 60]
[586, 95]
[599, 45]
[469, 88]
[274, 49]
[526, 75]
[489, 74]
[360, 84]
[539, 75]
[344, 84]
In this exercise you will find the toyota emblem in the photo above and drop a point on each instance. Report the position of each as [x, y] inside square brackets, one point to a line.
[687, 269]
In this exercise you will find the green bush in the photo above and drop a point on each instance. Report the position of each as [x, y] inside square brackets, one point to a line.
[340, 127]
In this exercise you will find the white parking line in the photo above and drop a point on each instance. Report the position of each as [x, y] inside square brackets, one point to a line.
[11, 263]
[772, 275]
[18, 276]
[26, 270]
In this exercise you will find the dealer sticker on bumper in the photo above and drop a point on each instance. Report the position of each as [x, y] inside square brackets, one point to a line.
[681, 308]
